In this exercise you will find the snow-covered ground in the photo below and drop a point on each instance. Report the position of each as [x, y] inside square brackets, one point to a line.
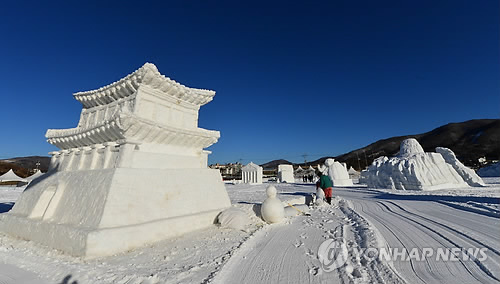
[290, 252]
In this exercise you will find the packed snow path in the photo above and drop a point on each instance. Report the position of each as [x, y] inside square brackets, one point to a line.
[288, 253]
[433, 221]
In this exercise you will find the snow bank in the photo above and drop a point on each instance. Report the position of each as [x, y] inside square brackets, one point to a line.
[490, 171]
[412, 169]
[469, 175]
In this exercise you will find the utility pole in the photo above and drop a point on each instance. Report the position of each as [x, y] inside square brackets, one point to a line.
[366, 160]
[37, 166]
[305, 158]
[359, 166]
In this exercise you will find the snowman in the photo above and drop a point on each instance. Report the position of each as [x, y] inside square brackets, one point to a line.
[272, 209]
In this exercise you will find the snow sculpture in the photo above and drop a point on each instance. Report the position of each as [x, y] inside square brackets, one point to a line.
[320, 197]
[285, 173]
[234, 218]
[412, 169]
[251, 173]
[131, 173]
[272, 209]
[469, 175]
[337, 172]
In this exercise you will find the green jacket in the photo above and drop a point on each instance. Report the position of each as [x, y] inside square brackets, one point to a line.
[325, 182]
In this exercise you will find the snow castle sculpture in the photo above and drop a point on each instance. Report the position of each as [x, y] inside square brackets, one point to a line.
[337, 172]
[413, 169]
[131, 173]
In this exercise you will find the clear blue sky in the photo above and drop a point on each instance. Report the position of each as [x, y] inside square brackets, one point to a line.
[321, 78]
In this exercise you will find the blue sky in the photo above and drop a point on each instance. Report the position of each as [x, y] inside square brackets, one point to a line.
[292, 78]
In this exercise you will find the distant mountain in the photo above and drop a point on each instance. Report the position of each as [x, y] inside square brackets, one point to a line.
[23, 165]
[470, 140]
[274, 164]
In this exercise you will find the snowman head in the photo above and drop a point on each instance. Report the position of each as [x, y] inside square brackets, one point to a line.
[271, 191]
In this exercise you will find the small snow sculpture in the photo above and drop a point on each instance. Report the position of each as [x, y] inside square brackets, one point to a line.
[469, 175]
[412, 169]
[251, 173]
[272, 209]
[285, 173]
[337, 172]
[320, 197]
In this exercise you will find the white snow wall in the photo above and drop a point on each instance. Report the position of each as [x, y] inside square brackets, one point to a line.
[103, 212]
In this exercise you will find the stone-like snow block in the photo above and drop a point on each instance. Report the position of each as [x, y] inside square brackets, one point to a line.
[131, 173]
[285, 173]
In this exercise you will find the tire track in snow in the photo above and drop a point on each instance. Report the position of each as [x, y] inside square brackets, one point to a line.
[398, 229]
[453, 243]
[448, 228]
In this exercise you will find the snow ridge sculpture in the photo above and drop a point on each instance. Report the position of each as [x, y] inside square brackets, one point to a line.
[132, 172]
[412, 169]
[469, 175]
[337, 172]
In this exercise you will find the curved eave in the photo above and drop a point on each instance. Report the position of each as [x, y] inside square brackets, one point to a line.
[148, 75]
[133, 128]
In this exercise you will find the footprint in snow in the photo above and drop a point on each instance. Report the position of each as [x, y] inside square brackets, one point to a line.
[310, 253]
[315, 271]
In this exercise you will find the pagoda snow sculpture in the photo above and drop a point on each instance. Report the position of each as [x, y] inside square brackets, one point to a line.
[131, 173]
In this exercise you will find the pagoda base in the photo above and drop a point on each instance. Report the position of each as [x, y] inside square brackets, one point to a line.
[97, 213]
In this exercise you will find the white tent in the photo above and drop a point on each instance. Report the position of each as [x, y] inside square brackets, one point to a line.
[37, 174]
[11, 176]
[353, 173]
[299, 172]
